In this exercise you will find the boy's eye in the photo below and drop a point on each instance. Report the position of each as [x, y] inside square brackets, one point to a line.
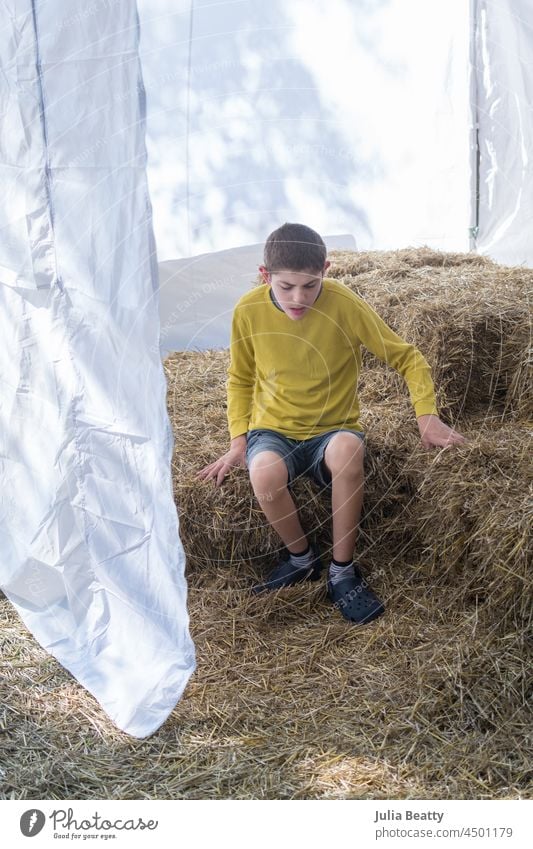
[307, 286]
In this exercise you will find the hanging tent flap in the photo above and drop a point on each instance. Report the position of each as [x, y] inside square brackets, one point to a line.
[503, 54]
[91, 554]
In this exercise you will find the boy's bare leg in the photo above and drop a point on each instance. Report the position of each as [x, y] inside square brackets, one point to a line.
[347, 588]
[269, 477]
[344, 456]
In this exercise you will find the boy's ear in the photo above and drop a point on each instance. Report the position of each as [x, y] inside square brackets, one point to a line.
[264, 274]
[327, 265]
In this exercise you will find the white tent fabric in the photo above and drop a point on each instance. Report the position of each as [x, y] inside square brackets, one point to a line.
[91, 554]
[503, 57]
[403, 123]
[352, 117]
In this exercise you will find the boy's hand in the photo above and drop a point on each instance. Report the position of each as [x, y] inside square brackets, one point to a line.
[435, 433]
[233, 459]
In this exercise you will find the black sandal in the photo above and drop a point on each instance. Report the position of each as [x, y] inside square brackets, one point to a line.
[354, 599]
[286, 575]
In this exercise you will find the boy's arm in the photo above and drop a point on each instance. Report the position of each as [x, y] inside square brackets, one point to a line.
[241, 376]
[239, 387]
[435, 434]
[382, 341]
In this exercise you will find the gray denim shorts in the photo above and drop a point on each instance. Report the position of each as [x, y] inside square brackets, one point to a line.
[301, 456]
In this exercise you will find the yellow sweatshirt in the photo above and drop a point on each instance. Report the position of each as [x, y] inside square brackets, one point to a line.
[300, 377]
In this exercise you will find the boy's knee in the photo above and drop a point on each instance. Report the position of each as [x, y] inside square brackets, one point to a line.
[345, 452]
[268, 473]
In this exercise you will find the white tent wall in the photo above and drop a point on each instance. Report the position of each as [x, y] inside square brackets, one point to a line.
[503, 57]
[353, 117]
[91, 555]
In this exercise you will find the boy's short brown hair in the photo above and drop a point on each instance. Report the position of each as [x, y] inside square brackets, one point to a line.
[294, 247]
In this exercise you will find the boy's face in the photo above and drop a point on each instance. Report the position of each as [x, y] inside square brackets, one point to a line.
[295, 291]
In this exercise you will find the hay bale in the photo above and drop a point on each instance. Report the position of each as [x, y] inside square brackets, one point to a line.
[470, 317]
[401, 261]
[474, 514]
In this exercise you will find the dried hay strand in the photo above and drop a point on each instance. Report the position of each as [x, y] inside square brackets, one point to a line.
[290, 701]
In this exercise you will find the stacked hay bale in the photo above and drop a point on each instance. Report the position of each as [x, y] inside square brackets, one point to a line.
[461, 518]
[469, 316]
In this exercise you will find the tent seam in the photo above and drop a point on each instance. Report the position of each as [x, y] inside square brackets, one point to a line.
[57, 283]
[47, 170]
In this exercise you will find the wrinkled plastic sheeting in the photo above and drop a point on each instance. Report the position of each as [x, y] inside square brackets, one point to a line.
[91, 554]
[503, 57]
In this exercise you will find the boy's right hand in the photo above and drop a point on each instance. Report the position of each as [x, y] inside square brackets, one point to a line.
[233, 459]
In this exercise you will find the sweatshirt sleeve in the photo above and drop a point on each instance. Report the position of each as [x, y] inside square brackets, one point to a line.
[382, 341]
[241, 376]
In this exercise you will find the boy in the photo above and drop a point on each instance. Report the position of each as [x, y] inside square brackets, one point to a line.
[293, 407]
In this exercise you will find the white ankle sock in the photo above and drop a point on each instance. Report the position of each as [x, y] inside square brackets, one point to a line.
[301, 561]
[337, 573]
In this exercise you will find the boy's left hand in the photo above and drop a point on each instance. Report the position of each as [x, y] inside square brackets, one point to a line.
[436, 434]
